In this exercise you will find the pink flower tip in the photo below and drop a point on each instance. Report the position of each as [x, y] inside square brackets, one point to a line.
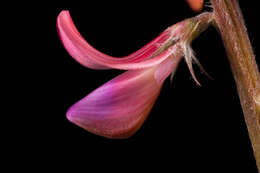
[195, 5]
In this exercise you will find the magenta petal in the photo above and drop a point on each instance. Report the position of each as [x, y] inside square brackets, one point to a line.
[88, 56]
[118, 108]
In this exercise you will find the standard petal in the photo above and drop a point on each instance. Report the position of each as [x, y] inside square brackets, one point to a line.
[88, 56]
[118, 108]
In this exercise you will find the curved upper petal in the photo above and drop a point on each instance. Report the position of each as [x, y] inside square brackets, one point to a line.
[88, 56]
[119, 107]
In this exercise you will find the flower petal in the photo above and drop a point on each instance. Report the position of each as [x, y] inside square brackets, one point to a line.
[118, 108]
[88, 56]
[195, 5]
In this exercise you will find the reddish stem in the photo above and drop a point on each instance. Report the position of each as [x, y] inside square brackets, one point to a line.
[231, 25]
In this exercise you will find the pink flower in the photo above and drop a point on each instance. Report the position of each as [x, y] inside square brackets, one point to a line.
[118, 108]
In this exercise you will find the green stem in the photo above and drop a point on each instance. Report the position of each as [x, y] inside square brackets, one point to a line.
[231, 25]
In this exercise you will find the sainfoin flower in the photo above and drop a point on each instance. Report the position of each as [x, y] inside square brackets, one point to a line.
[119, 107]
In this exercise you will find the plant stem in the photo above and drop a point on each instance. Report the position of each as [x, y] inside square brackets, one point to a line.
[231, 25]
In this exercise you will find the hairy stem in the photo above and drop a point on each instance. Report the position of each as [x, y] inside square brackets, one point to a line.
[231, 25]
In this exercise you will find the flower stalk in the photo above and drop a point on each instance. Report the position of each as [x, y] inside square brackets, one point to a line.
[231, 25]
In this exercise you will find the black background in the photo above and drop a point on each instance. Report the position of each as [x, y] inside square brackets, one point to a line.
[190, 128]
